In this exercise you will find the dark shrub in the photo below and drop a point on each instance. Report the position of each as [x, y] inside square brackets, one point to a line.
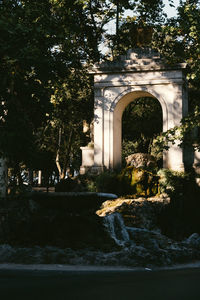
[66, 185]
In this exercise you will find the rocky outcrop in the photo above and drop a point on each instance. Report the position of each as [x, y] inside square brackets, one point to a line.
[140, 213]
[41, 220]
[148, 250]
[141, 160]
[133, 226]
[123, 233]
[139, 176]
[139, 182]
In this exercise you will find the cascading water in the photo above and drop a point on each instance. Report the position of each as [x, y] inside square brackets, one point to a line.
[123, 235]
[114, 223]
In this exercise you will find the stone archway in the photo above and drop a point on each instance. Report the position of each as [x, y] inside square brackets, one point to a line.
[118, 106]
[116, 84]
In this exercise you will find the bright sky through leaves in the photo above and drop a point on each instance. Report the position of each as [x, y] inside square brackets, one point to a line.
[171, 11]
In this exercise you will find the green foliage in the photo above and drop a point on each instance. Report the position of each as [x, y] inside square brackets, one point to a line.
[180, 218]
[87, 183]
[142, 120]
[130, 147]
[186, 134]
[130, 181]
[42, 50]
[62, 135]
[172, 182]
[23, 86]
[179, 41]
[143, 116]
[45, 92]
[136, 31]
[108, 182]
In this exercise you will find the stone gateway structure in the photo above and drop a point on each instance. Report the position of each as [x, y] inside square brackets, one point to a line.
[138, 74]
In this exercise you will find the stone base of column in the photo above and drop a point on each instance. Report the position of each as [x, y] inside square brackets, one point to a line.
[96, 170]
[87, 160]
[84, 170]
[91, 170]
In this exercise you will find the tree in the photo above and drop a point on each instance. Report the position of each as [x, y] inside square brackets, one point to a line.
[42, 75]
[179, 41]
[25, 70]
[136, 31]
[41, 48]
[72, 101]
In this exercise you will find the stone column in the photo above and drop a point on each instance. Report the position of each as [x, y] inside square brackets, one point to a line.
[98, 131]
[177, 108]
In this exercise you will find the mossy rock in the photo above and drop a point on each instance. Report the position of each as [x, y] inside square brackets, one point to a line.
[140, 182]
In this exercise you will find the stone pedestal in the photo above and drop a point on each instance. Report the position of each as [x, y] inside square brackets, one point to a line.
[87, 159]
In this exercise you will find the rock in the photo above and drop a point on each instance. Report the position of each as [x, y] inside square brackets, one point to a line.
[114, 224]
[141, 160]
[139, 177]
[139, 181]
[133, 240]
[140, 213]
[193, 240]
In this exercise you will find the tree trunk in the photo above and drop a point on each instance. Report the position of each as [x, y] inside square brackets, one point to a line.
[17, 174]
[58, 153]
[117, 21]
[30, 177]
[3, 178]
[62, 170]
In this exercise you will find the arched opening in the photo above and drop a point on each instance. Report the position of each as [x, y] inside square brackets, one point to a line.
[120, 106]
[141, 121]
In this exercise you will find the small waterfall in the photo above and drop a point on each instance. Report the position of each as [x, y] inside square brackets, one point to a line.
[132, 231]
[116, 228]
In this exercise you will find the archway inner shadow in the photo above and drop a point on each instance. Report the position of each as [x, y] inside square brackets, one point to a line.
[142, 121]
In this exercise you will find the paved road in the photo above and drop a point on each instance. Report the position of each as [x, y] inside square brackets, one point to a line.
[105, 285]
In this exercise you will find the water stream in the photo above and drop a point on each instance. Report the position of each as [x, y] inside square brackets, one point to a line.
[114, 224]
[124, 235]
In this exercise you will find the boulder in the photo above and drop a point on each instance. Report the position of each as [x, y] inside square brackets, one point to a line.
[193, 240]
[140, 212]
[139, 181]
[141, 160]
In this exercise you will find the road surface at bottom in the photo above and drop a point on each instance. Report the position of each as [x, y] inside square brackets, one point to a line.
[183, 284]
